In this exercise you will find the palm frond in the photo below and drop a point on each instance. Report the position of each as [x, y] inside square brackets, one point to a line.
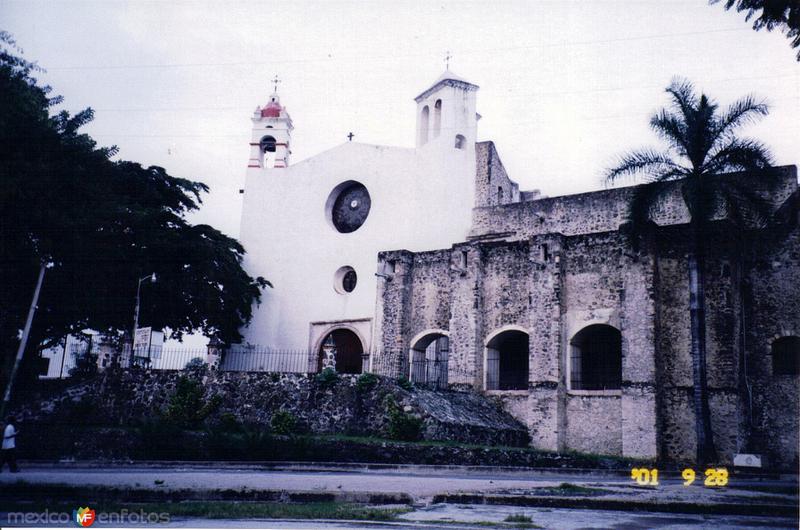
[648, 162]
[739, 154]
[671, 128]
[683, 98]
[742, 112]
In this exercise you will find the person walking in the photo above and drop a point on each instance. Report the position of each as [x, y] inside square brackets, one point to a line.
[10, 446]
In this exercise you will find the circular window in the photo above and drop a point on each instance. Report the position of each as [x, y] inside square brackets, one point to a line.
[348, 206]
[345, 280]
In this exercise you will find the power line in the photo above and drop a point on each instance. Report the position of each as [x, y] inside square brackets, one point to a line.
[361, 58]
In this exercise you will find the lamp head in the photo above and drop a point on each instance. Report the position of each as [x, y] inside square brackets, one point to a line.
[153, 278]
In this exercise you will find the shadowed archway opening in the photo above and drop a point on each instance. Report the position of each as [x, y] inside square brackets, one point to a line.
[341, 350]
[429, 357]
[786, 356]
[596, 358]
[507, 361]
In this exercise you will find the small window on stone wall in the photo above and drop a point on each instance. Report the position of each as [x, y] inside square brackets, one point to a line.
[461, 142]
[786, 356]
[596, 359]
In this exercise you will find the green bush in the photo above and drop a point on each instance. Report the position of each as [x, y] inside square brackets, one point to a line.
[366, 382]
[283, 422]
[404, 383]
[327, 377]
[196, 368]
[402, 425]
[187, 408]
[229, 422]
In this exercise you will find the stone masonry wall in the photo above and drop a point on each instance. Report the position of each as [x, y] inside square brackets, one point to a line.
[772, 301]
[551, 287]
[128, 398]
[554, 266]
[491, 176]
[597, 211]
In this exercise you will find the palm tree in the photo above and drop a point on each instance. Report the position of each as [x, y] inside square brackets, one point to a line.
[701, 143]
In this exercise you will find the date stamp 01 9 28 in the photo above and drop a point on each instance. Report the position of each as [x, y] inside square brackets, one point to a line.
[715, 477]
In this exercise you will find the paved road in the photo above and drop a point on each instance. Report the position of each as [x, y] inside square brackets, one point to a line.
[422, 484]
[417, 484]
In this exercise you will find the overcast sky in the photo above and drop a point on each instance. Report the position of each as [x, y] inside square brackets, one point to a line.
[565, 86]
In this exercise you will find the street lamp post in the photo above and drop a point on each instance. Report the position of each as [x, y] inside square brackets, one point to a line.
[152, 278]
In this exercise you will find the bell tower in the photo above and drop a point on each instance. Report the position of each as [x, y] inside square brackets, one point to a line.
[446, 114]
[270, 144]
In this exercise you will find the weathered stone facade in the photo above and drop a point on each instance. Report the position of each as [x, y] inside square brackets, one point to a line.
[554, 268]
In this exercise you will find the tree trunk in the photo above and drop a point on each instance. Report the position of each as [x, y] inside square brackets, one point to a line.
[697, 313]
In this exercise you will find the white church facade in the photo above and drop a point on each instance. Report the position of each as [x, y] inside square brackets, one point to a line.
[314, 229]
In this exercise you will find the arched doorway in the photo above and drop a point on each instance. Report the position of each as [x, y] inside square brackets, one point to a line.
[341, 349]
[429, 357]
[507, 361]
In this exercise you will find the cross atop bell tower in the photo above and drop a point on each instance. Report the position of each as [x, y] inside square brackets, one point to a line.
[272, 132]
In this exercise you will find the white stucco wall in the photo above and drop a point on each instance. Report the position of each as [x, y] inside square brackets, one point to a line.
[421, 200]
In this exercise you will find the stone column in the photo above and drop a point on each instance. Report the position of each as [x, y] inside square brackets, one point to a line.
[214, 354]
[547, 390]
[465, 362]
[126, 355]
[393, 313]
[638, 325]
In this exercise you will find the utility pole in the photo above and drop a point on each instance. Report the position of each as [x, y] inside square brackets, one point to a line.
[152, 278]
[24, 341]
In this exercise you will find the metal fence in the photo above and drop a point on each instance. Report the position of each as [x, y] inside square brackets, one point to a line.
[422, 372]
[265, 360]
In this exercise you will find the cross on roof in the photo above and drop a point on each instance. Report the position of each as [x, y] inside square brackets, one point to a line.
[350, 136]
[447, 58]
[276, 81]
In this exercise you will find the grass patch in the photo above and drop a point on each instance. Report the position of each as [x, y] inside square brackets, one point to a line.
[234, 510]
[567, 488]
[486, 524]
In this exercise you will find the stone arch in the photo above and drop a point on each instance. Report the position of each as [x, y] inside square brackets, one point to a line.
[596, 358]
[428, 357]
[507, 359]
[348, 349]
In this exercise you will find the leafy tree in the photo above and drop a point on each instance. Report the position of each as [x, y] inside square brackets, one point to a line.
[702, 142]
[103, 224]
[783, 14]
